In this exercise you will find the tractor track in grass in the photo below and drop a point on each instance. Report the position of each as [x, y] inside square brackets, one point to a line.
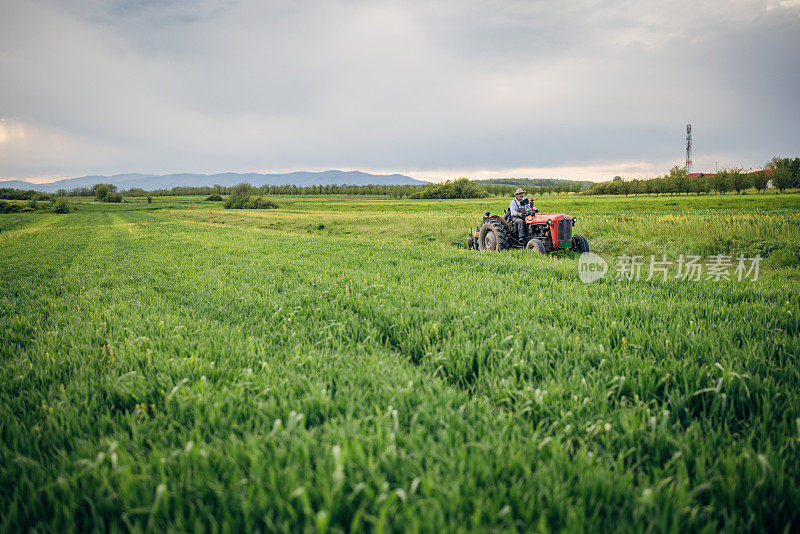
[355, 330]
[361, 319]
[185, 296]
[44, 223]
[48, 224]
[354, 324]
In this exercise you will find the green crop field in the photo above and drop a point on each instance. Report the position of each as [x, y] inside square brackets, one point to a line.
[343, 364]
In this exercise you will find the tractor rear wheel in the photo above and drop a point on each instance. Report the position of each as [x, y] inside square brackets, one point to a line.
[492, 236]
[580, 244]
[535, 246]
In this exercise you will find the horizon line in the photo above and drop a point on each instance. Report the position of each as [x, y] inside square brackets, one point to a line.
[580, 173]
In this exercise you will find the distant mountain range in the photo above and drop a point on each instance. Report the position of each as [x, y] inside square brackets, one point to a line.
[151, 182]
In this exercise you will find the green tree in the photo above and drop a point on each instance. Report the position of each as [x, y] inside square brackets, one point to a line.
[739, 180]
[101, 192]
[707, 184]
[721, 182]
[696, 184]
[781, 172]
[760, 181]
[677, 175]
[461, 188]
[660, 185]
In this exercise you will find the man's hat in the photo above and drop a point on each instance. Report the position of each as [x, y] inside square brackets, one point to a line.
[519, 190]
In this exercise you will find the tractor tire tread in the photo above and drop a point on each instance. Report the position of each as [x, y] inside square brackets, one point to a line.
[500, 233]
[580, 244]
[535, 245]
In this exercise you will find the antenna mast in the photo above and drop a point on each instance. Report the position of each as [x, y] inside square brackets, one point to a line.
[689, 148]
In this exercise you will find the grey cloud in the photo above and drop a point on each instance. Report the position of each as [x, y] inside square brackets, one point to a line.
[247, 86]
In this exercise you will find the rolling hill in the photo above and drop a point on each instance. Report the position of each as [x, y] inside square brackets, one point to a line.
[152, 182]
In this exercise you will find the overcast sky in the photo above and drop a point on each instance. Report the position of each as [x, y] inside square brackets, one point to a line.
[581, 89]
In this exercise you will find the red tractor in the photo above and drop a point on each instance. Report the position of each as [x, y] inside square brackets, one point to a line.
[543, 233]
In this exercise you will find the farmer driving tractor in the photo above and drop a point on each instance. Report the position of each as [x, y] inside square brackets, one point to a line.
[538, 232]
[516, 208]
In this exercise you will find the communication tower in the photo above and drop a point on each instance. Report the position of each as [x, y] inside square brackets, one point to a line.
[689, 148]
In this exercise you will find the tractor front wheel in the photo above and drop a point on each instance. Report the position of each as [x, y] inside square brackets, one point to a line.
[580, 244]
[535, 246]
[492, 236]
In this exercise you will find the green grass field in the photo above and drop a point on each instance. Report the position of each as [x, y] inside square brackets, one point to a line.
[344, 364]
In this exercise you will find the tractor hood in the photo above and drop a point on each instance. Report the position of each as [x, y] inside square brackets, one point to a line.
[559, 224]
[541, 218]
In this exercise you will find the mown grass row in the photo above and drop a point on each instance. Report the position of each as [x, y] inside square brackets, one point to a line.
[161, 373]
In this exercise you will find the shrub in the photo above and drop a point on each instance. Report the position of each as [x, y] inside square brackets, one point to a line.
[60, 205]
[149, 200]
[216, 197]
[101, 192]
[18, 194]
[239, 195]
[10, 207]
[57, 205]
[259, 203]
[106, 193]
[252, 202]
[245, 196]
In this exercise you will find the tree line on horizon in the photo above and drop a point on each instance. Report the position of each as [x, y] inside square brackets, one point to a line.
[397, 191]
[780, 173]
[461, 188]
